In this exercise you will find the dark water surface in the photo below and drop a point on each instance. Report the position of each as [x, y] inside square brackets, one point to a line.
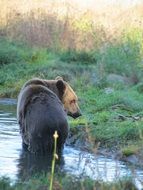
[16, 163]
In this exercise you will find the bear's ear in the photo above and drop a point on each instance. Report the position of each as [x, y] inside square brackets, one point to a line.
[58, 78]
[61, 87]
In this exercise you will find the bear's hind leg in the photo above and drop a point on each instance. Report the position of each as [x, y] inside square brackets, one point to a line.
[34, 145]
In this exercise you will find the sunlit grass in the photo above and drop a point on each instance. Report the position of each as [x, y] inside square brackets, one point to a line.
[64, 25]
[130, 150]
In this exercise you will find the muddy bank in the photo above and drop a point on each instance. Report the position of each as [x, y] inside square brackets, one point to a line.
[80, 138]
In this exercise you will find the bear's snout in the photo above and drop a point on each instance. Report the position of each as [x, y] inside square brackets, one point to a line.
[75, 115]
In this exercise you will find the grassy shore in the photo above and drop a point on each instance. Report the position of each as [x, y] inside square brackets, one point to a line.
[41, 182]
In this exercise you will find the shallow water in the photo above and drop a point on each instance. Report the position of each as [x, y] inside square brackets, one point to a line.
[16, 163]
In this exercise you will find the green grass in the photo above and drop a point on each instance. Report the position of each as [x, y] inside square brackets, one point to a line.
[5, 184]
[41, 182]
[112, 117]
[130, 150]
[11, 52]
[78, 57]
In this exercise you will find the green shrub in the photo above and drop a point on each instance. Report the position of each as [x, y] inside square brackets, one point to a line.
[5, 184]
[8, 52]
[124, 56]
[78, 56]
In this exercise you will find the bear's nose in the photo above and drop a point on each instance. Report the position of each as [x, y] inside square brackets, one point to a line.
[76, 115]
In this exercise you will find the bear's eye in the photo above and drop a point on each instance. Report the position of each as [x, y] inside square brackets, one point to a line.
[72, 102]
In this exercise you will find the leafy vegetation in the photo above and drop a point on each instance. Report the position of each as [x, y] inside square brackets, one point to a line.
[9, 53]
[78, 57]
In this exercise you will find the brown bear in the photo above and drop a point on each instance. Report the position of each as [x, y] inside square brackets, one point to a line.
[42, 109]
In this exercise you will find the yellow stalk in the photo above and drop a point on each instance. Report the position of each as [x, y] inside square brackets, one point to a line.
[55, 156]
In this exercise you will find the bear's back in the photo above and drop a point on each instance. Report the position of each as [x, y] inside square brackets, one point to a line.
[40, 114]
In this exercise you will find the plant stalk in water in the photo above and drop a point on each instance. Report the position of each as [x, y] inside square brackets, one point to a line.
[55, 156]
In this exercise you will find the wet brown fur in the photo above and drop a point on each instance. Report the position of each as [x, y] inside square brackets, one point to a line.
[38, 102]
[41, 116]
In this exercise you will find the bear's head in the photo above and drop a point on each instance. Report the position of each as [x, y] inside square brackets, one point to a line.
[68, 98]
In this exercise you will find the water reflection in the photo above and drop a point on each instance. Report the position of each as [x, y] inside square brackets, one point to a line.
[30, 164]
[18, 163]
[9, 139]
